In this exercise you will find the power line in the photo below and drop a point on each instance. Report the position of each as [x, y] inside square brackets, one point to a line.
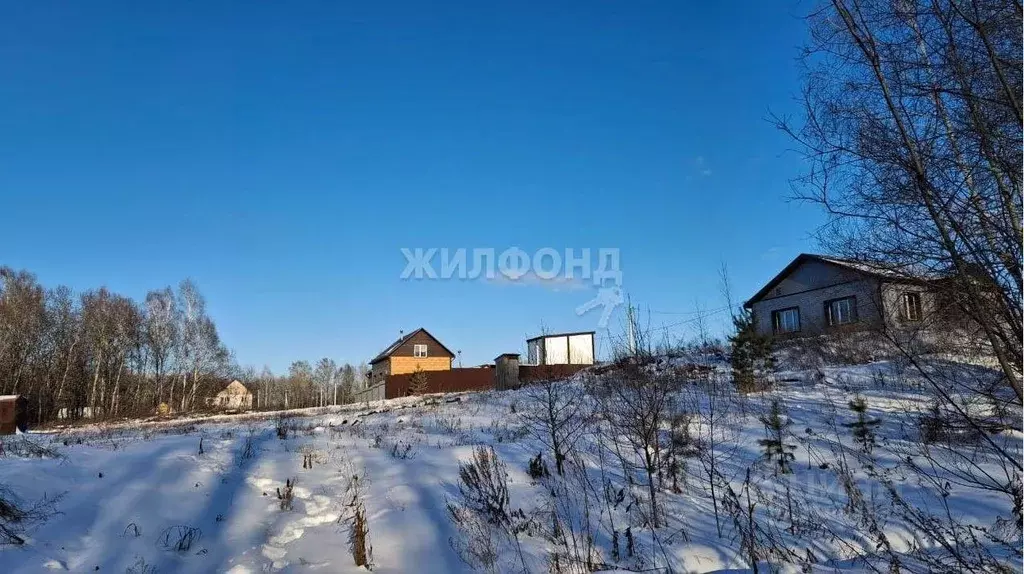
[702, 315]
[698, 312]
[696, 319]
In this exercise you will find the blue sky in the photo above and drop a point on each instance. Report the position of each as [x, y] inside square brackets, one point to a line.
[281, 154]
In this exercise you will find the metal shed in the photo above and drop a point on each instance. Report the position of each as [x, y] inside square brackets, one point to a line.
[13, 414]
[561, 349]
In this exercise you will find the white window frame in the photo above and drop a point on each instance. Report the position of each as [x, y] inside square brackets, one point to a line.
[838, 319]
[778, 322]
[419, 351]
[907, 307]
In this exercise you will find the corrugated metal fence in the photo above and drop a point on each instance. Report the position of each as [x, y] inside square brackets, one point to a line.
[374, 393]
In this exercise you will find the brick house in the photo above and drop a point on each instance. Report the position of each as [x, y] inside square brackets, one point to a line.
[818, 294]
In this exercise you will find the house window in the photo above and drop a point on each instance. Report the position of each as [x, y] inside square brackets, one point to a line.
[841, 311]
[786, 320]
[419, 351]
[912, 306]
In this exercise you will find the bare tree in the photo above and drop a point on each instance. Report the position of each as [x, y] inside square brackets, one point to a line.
[715, 436]
[557, 413]
[266, 382]
[347, 382]
[202, 353]
[64, 335]
[636, 403]
[161, 328]
[323, 377]
[299, 384]
[914, 135]
[98, 328]
[101, 354]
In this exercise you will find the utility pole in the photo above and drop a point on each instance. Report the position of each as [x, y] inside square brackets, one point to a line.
[630, 328]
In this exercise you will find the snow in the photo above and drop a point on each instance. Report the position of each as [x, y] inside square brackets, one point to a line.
[125, 485]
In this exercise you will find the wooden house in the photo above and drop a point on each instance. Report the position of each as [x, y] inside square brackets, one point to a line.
[417, 350]
[234, 396]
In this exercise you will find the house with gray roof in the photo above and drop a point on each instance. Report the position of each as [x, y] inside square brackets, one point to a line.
[819, 294]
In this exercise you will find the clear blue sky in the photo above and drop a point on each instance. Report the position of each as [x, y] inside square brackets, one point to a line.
[280, 154]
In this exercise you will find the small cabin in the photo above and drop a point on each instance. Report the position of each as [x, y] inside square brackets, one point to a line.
[13, 414]
[561, 349]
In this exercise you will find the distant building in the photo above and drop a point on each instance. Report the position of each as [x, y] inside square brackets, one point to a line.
[13, 414]
[235, 396]
[818, 294]
[561, 349]
[417, 350]
[391, 372]
[553, 357]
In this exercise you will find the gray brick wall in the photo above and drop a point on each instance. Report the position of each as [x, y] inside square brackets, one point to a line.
[812, 307]
[813, 275]
[892, 295]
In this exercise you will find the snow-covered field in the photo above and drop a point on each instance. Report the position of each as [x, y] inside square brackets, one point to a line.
[127, 495]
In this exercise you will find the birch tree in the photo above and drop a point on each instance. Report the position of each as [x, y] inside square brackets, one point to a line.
[913, 132]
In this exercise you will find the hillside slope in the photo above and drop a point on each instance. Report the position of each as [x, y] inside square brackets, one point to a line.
[141, 498]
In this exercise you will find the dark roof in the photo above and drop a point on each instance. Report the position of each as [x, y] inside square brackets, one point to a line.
[394, 346]
[560, 335]
[869, 268]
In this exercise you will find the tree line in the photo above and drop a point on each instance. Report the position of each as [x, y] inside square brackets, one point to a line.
[306, 385]
[102, 355]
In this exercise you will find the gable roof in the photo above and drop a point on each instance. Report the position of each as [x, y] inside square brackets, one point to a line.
[863, 267]
[394, 346]
[235, 387]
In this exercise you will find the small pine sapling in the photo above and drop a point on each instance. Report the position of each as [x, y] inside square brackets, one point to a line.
[538, 469]
[681, 445]
[932, 426]
[863, 428]
[775, 447]
[418, 382]
[751, 355]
